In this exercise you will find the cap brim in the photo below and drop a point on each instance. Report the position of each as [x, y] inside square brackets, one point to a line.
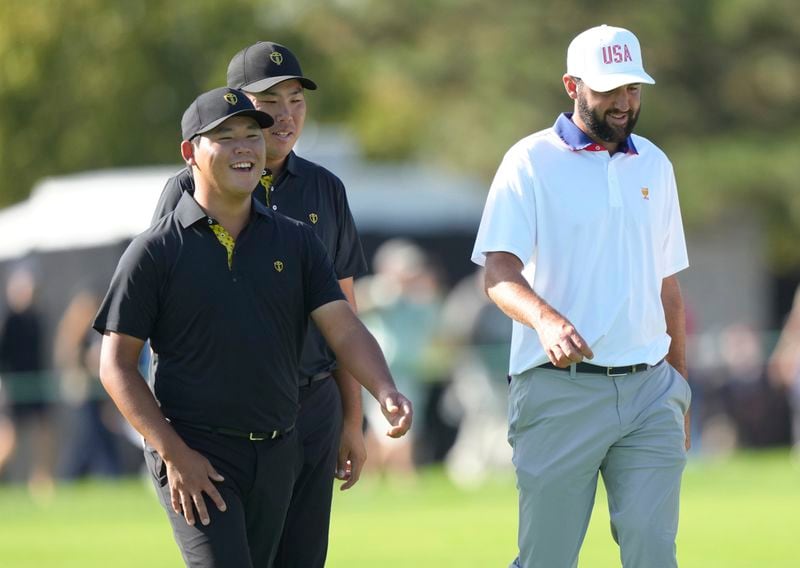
[264, 120]
[610, 82]
[264, 84]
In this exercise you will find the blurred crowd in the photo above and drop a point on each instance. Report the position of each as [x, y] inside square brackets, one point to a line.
[447, 347]
[56, 422]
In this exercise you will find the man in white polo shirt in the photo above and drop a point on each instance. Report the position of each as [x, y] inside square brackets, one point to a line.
[582, 239]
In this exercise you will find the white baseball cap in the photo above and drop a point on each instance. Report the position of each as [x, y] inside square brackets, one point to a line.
[605, 58]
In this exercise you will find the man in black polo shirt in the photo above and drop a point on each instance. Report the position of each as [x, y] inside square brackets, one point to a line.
[223, 288]
[271, 76]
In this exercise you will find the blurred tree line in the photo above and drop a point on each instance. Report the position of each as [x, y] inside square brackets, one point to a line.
[88, 84]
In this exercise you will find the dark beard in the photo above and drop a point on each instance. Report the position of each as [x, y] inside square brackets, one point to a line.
[601, 129]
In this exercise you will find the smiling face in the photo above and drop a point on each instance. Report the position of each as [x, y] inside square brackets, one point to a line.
[228, 159]
[609, 117]
[286, 103]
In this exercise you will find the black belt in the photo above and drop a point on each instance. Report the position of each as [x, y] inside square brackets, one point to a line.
[255, 436]
[598, 370]
[305, 381]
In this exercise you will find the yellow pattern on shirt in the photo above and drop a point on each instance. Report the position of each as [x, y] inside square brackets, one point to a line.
[226, 240]
[266, 181]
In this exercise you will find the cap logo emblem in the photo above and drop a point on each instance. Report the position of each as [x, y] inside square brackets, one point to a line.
[276, 57]
[313, 217]
[231, 98]
[645, 193]
[278, 265]
[616, 54]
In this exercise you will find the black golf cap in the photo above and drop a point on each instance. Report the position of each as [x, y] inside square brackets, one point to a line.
[212, 108]
[264, 64]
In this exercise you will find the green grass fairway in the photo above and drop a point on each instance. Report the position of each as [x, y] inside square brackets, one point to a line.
[739, 513]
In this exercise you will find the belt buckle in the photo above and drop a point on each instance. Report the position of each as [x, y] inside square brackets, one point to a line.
[255, 438]
[610, 374]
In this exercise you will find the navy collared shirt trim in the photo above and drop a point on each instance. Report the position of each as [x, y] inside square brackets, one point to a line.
[291, 163]
[188, 211]
[577, 139]
[291, 167]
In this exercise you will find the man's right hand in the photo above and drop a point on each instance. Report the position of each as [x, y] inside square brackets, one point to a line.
[189, 475]
[561, 341]
[507, 288]
[398, 411]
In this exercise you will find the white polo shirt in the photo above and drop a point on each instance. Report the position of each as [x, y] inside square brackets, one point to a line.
[596, 234]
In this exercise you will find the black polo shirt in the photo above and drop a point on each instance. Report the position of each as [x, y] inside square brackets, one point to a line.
[228, 340]
[309, 193]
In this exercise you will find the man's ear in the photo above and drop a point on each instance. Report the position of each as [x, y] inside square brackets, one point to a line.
[570, 85]
[187, 152]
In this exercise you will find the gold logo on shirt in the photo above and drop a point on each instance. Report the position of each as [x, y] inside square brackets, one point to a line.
[231, 98]
[278, 265]
[276, 57]
[645, 193]
[313, 217]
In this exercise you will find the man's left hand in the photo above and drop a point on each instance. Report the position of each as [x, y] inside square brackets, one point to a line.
[398, 412]
[352, 455]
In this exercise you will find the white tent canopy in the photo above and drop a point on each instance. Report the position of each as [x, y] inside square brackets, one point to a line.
[108, 206]
[82, 210]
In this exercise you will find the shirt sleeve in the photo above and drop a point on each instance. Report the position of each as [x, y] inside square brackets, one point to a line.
[171, 194]
[349, 260]
[130, 306]
[508, 223]
[675, 255]
[319, 278]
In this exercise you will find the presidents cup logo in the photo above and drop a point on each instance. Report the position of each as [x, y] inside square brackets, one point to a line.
[645, 193]
[276, 57]
[231, 98]
[278, 265]
[313, 217]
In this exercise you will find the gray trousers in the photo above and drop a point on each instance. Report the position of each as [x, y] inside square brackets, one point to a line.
[565, 430]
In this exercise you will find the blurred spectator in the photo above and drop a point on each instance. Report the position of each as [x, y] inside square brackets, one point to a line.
[400, 305]
[742, 408]
[478, 335]
[91, 441]
[24, 379]
[754, 406]
[784, 365]
[7, 434]
[742, 353]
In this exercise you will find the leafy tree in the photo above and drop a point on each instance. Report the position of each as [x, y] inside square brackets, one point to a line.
[102, 83]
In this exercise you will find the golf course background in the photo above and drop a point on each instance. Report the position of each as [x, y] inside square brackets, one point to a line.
[738, 512]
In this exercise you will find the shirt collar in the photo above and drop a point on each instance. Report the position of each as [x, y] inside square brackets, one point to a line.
[260, 209]
[577, 139]
[291, 164]
[292, 167]
[188, 212]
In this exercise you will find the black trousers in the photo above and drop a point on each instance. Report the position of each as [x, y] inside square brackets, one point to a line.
[259, 476]
[304, 543]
